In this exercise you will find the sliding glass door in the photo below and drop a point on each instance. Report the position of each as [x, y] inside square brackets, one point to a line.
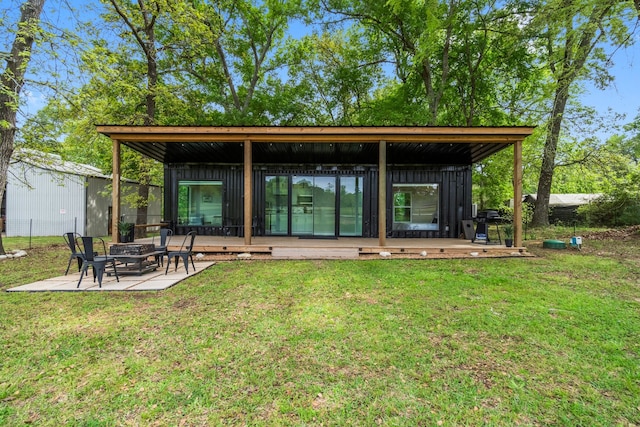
[324, 206]
[313, 206]
[309, 205]
[351, 205]
[277, 205]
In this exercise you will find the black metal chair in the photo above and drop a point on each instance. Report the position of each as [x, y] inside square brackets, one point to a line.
[71, 241]
[185, 252]
[165, 238]
[98, 263]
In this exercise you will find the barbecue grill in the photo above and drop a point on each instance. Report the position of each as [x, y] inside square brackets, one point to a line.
[489, 216]
[483, 221]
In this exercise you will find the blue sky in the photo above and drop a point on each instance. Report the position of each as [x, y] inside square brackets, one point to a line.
[623, 95]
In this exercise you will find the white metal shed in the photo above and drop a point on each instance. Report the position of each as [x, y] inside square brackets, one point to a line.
[48, 196]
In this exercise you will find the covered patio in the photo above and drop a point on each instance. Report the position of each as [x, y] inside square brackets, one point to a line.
[382, 160]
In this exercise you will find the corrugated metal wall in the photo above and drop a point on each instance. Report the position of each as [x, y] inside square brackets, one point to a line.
[98, 203]
[455, 196]
[52, 204]
[233, 184]
[454, 181]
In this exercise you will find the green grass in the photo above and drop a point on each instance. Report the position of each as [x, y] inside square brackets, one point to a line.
[553, 340]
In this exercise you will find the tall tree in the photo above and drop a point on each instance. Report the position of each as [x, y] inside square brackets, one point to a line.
[572, 35]
[140, 20]
[11, 83]
[455, 61]
[232, 56]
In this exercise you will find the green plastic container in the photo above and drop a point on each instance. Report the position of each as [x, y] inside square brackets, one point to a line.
[554, 244]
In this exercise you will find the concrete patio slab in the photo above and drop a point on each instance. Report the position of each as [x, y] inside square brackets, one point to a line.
[152, 281]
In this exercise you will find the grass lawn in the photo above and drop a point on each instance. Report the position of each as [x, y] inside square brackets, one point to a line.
[551, 340]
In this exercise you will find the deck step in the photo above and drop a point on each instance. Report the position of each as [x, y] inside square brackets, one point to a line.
[314, 253]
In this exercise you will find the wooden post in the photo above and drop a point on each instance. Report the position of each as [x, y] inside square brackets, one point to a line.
[382, 194]
[248, 186]
[517, 194]
[115, 192]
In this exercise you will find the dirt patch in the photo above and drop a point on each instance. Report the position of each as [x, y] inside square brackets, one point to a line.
[627, 233]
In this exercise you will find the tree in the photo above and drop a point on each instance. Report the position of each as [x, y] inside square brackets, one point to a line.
[571, 34]
[140, 19]
[454, 61]
[11, 83]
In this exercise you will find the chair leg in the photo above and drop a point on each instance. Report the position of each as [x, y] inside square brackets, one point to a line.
[192, 264]
[78, 259]
[84, 269]
[98, 270]
[168, 264]
[185, 260]
[115, 270]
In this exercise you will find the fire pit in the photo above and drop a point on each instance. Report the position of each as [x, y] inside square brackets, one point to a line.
[131, 249]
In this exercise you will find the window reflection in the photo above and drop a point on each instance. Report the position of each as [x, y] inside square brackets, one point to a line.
[415, 206]
[200, 203]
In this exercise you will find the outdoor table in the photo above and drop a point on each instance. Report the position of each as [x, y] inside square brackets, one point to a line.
[134, 258]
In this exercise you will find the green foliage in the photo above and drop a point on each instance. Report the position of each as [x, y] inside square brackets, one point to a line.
[124, 227]
[619, 207]
[508, 230]
[620, 203]
[492, 184]
[358, 62]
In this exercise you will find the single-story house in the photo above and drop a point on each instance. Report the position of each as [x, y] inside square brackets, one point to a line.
[47, 196]
[319, 182]
[563, 208]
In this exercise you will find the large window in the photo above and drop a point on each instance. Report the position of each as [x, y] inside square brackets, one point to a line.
[351, 201]
[200, 203]
[277, 205]
[415, 206]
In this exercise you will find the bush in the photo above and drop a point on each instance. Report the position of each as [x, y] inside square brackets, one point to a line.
[620, 208]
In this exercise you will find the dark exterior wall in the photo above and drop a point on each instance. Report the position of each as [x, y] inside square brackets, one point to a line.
[454, 181]
[455, 196]
[231, 176]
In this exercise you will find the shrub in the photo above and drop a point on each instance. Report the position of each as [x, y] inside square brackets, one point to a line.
[619, 208]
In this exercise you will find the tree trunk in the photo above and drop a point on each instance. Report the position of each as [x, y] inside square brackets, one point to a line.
[578, 47]
[541, 206]
[144, 176]
[11, 82]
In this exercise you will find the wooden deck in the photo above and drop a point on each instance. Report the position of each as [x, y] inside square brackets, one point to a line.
[344, 247]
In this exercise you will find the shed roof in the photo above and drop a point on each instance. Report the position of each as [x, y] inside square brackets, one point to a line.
[54, 163]
[567, 199]
[340, 144]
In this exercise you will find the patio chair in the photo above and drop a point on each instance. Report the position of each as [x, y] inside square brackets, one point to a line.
[71, 241]
[185, 252]
[165, 238]
[98, 263]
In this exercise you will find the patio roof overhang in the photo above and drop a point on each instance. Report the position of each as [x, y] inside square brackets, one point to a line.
[319, 144]
[324, 144]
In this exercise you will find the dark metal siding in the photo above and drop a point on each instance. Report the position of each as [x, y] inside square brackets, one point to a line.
[455, 196]
[232, 203]
[454, 181]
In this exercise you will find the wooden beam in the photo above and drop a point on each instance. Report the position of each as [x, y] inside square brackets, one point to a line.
[115, 192]
[248, 190]
[250, 131]
[382, 194]
[517, 194]
[177, 138]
